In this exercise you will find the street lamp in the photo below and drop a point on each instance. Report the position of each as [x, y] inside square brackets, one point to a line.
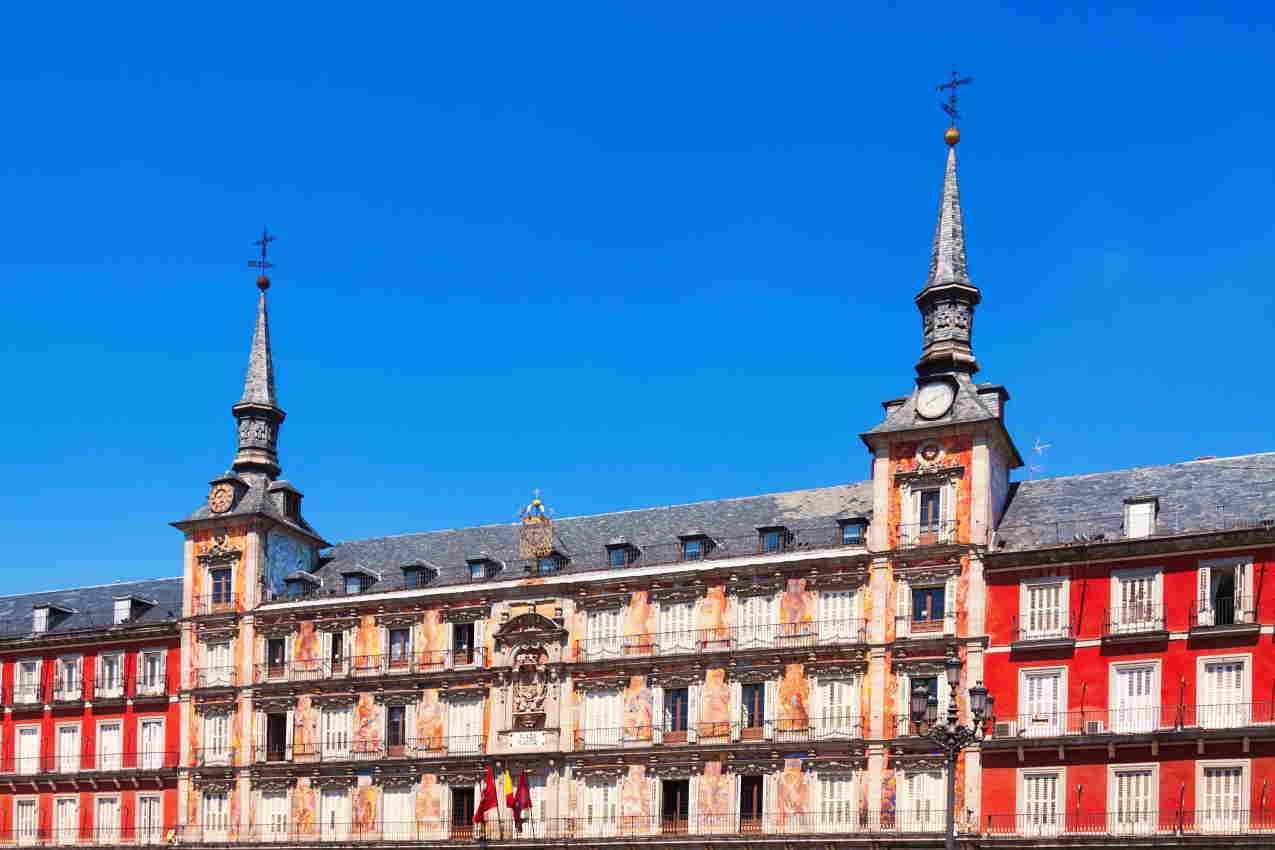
[951, 736]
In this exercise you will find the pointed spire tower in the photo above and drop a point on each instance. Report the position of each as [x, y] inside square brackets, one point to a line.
[948, 299]
[257, 410]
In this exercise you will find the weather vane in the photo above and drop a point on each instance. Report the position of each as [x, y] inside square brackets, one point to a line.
[262, 264]
[953, 135]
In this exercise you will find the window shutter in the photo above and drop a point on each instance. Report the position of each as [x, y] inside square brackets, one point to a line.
[659, 716]
[480, 636]
[902, 609]
[736, 711]
[1243, 595]
[819, 706]
[655, 807]
[949, 602]
[692, 714]
[693, 807]
[259, 734]
[770, 789]
[771, 713]
[1205, 603]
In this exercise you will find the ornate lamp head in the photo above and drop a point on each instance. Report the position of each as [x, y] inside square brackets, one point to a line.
[920, 698]
[952, 667]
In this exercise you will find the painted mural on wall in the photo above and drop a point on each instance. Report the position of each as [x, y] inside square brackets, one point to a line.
[794, 700]
[797, 605]
[367, 727]
[304, 806]
[717, 796]
[635, 796]
[638, 710]
[714, 704]
[364, 809]
[431, 715]
[429, 801]
[793, 793]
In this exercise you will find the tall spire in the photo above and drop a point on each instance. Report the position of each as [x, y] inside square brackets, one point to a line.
[948, 299]
[258, 411]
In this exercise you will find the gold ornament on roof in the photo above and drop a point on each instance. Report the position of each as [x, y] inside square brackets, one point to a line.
[535, 537]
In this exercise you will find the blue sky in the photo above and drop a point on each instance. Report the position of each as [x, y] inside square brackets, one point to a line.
[630, 254]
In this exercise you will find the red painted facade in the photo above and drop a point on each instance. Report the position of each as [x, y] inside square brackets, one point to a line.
[123, 783]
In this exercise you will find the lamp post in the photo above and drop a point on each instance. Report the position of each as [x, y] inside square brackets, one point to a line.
[951, 736]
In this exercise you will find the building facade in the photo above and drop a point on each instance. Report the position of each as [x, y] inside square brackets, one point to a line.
[737, 670]
[90, 734]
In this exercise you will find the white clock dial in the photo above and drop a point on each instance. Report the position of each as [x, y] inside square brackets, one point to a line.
[933, 400]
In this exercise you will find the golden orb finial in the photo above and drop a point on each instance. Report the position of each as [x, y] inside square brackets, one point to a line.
[263, 282]
[952, 136]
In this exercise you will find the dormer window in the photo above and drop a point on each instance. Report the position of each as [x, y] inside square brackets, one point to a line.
[550, 564]
[354, 583]
[696, 546]
[300, 584]
[854, 532]
[1139, 516]
[358, 579]
[40, 620]
[621, 553]
[123, 610]
[483, 568]
[776, 538]
[417, 576]
[45, 617]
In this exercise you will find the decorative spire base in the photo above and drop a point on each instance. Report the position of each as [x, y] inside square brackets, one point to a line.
[258, 411]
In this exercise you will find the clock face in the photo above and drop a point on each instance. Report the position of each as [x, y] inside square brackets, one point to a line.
[220, 498]
[284, 554]
[934, 399]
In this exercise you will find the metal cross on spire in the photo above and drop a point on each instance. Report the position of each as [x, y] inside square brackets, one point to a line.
[262, 264]
[952, 84]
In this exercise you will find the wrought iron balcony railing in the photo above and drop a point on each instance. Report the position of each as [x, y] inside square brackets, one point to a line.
[915, 534]
[1223, 613]
[1047, 820]
[1045, 627]
[1133, 620]
[216, 677]
[361, 666]
[803, 635]
[790, 730]
[63, 764]
[346, 750]
[217, 603]
[79, 835]
[1134, 721]
[25, 693]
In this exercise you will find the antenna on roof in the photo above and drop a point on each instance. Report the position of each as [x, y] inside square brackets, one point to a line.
[1039, 466]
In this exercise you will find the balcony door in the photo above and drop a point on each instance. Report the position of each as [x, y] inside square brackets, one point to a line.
[1135, 701]
[1043, 704]
[66, 820]
[152, 737]
[28, 749]
[1223, 698]
[110, 745]
[69, 748]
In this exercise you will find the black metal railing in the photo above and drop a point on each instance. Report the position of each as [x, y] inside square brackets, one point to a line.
[1045, 626]
[87, 761]
[1138, 618]
[442, 746]
[25, 694]
[358, 666]
[1256, 514]
[1222, 612]
[216, 677]
[1133, 721]
[217, 603]
[937, 533]
[1047, 820]
[802, 635]
[780, 730]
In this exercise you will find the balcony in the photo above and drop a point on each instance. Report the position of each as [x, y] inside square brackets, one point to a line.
[90, 763]
[217, 603]
[370, 666]
[47, 836]
[1185, 719]
[1134, 624]
[68, 691]
[1224, 615]
[352, 751]
[1044, 630]
[736, 638]
[919, 534]
[25, 695]
[807, 731]
[216, 677]
[1166, 824]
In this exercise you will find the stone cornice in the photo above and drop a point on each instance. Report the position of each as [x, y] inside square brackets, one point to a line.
[216, 635]
[334, 782]
[600, 772]
[277, 628]
[675, 679]
[685, 593]
[399, 619]
[467, 614]
[675, 770]
[754, 766]
[398, 697]
[839, 766]
[837, 581]
[333, 700]
[601, 683]
[839, 669]
[462, 693]
[754, 673]
[273, 784]
[604, 602]
[274, 704]
[336, 624]
[920, 575]
[760, 586]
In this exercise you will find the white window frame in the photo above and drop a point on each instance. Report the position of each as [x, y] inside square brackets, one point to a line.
[1064, 607]
[835, 728]
[20, 764]
[844, 816]
[598, 824]
[336, 743]
[468, 741]
[117, 688]
[602, 717]
[40, 619]
[148, 833]
[33, 697]
[274, 825]
[1146, 824]
[1132, 509]
[834, 628]
[122, 610]
[67, 762]
[402, 827]
[1243, 588]
[338, 828]
[1028, 822]
[408, 651]
[1212, 715]
[215, 752]
[1154, 618]
[146, 759]
[1206, 821]
[20, 830]
[908, 818]
[75, 690]
[108, 761]
[1044, 726]
[107, 834]
[904, 683]
[1127, 719]
[754, 635]
[910, 532]
[219, 674]
[219, 829]
[676, 641]
[142, 687]
[57, 827]
[603, 629]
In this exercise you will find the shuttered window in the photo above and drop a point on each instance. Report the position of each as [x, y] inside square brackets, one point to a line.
[106, 820]
[465, 726]
[66, 820]
[1043, 615]
[756, 621]
[25, 816]
[216, 738]
[1139, 519]
[838, 702]
[334, 813]
[1223, 798]
[336, 733]
[836, 803]
[677, 622]
[399, 813]
[837, 616]
[924, 810]
[602, 718]
[68, 760]
[216, 817]
[110, 745]
[1223, 698]
[602, 631]
[1043, 703]
[150, 819]
[1041, 803]
[1135, 703]
[601, 806]
[274, 816]
[1134, 805]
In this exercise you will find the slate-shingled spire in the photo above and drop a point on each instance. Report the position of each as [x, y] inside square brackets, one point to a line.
[258, 412]
[948, 299]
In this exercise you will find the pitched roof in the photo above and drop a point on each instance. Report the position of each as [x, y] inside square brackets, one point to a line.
[92, 607]
[733, 523]
[1200, 495]
[258, 384]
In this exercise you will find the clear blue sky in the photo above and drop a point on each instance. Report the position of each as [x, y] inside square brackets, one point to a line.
[631, 254]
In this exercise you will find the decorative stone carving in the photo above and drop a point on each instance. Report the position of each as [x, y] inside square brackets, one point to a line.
[600, 683]
[530, 681]
[916, 761]
[685, 593]
[837, 669]
[465, 615]
[462, 693]
[837, 581]
[675, 770]
[743, 587]
[752, 767]
[606, 602]
[328, 781]
[221, 553]
[929, 666]
[462, 776]
[333, 700]
[336, 624]
[213, 784]
[930, 474]
[275, 704]
[754, 674]
[916, 576]
[846, 767]
[399, 619]
[530, 629]
[218, 707]
[396, 780]
[600, 772]
[681, 679]
[398, 697]
[216, 635]
[273, 784]
[277, 629]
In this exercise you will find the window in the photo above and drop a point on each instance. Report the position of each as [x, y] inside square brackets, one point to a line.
[123, 610]
[274, 815]
[295, 588]
[838, 709]
[1043, 604]
[675, 806]
[277, 736]
[336, 733]
[110, 676]
[66, 679]
[464, 643]
[1133, 799]
[336, 651]
[922, 809]
[601, 805]
[28, 750]
[677, 628]
[150, 819]
[150, 680]
[216, 816]
[1222, 794]
[602, 632]
[755, 621]
[854, 532]
[68, 748]
[1044, 702]
[928, 608]
[677, 706]
[1135, 697]
[216, 739]
[276, 649]
[837, 620]
[398, 813]
[478, 569]
[400, 647]
[603, 716]
[1135, 601]
[66, 820]
[550, 564]
[1225, 592]
[221, 592]
[1224, 689]
[774, 539]
[217, 672]
[696, 546]
[1139, 517]
[24, 815]
[929, 516]
[40, 620]
[1041, 796]
[462, 811]
[26, 688]
[334, 814]
[353, 583]
[416, 577]
[751, 799]
[837, 810]
[465, 726]
[621, 555]
[151, 735]
[753, 705]
[110, 745]
[395, 728]
[106, 820]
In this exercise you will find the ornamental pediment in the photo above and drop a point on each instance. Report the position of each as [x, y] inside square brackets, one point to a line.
[601, 683]
[336, 624]
[675, 770]
[603, 602]
[471, 614]
[217, 635]
[686, 593]
[753, 674]
[399, 619]
[277, 629]
[837, 581]
[752, 767]
[530, 628]
[744, 587]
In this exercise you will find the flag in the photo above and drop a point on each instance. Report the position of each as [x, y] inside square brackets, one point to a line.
[521, 801]
[489, 800]
[509, 789]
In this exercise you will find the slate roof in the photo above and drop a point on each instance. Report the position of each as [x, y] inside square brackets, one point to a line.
[1201, 495]
[93, 606]
[812, 515]
[254, 502]
[971, 404]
